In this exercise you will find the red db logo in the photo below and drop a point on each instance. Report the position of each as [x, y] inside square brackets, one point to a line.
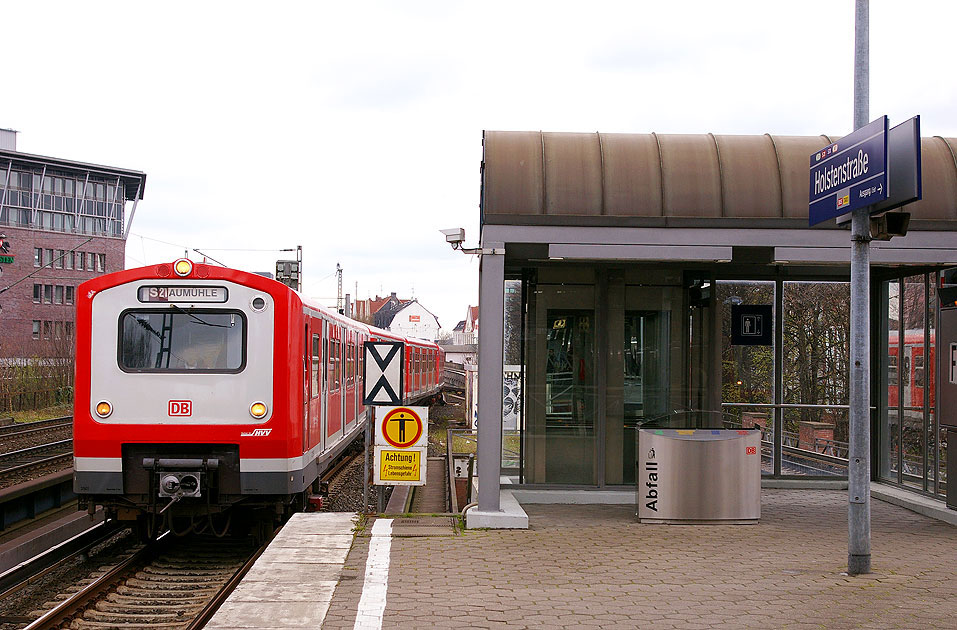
[750, 450]
[180, 408]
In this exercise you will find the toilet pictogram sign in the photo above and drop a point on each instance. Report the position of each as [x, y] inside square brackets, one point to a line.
[401, 427]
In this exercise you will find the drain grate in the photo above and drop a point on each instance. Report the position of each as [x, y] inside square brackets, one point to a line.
[424, 526]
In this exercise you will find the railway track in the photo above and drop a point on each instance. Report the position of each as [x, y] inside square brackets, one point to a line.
[35, 456]
[33, 428]
[174, 583]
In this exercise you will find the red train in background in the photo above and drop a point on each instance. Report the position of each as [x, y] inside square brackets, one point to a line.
[200, 389]
[916, 368]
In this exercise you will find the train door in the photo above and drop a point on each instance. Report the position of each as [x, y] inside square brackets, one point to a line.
[306, 396]
[409, 381]
[360, 385]
[334, 417]
[315, 384]
[907, 391]
[350, 402]
[324, 384]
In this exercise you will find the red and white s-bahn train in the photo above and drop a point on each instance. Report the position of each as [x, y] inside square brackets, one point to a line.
[200, 388]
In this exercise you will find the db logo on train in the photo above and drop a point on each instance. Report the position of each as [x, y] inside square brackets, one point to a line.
[180, 407]
[751, 450]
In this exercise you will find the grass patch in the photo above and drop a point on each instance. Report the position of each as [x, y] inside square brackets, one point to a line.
[46, 413]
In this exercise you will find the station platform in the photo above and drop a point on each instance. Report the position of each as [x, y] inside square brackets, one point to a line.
[595, 566]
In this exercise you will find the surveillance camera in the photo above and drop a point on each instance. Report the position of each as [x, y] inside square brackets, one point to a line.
[456, 236]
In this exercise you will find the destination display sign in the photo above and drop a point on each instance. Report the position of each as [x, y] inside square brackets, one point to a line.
[849, 174]
[177, 293]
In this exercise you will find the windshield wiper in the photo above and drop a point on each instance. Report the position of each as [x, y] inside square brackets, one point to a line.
[200, 320]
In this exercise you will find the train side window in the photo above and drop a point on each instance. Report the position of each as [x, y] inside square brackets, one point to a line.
[316, 360]
[325, 364]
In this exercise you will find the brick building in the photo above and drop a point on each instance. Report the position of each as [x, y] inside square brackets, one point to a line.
[63, 222]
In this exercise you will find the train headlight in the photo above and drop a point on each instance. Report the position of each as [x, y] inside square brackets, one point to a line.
[183, 267]
[104, 409]
[257, 409]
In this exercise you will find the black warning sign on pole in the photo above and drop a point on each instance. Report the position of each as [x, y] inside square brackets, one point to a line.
[751, 324]
[384, 372]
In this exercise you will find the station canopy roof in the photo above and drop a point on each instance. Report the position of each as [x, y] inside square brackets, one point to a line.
[647, 180]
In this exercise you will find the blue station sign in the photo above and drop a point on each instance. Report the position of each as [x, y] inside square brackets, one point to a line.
[849, 174]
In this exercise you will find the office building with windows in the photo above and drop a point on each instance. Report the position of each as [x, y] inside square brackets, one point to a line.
[63, 222]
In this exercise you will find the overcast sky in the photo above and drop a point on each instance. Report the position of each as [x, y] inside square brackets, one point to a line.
[354, 128]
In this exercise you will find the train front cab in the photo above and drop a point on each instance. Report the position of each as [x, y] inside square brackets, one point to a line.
[178, 391]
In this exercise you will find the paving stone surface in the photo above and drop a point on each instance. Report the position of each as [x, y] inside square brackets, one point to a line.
[591, 566]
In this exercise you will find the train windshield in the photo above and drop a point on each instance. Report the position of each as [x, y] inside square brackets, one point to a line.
[178, 340]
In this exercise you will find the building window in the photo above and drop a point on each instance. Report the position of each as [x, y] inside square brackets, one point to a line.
[68, 326]
[37, 256]
[48, 293]
[47, 257]
[68, 260]
[101, 262]
[58, 330]
[36, 329]
[80, 260]
[69, 297]
[58, 259]
[37, 293]
[90, 261]
[46, 330]
[58, 295]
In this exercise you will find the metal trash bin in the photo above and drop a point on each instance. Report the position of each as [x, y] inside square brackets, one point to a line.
[698, 476]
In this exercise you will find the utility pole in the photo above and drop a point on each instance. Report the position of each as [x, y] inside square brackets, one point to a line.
[339, 293]
[859, 448]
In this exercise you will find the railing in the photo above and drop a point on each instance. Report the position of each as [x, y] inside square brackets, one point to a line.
[815, 455]
[453, 376]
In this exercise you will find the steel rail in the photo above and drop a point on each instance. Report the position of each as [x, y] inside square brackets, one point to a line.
[39, 424]
[22, 431]
[39, 462]
[332, 472]
[31, 570]
[74, 603]
[210, 609]
[33, 451]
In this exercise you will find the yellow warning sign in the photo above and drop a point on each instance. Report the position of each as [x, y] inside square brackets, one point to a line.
[400, 467]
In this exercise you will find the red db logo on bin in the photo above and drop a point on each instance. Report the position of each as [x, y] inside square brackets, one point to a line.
[180, 407]
[751, 450]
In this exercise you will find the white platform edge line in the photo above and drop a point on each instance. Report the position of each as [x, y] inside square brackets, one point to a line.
[376, 582]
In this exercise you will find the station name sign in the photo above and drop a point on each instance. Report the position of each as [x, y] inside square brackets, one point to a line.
[849, 174]
[182, 294]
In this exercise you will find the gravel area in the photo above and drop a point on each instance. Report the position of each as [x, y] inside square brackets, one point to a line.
[345, 491]
[30, 474]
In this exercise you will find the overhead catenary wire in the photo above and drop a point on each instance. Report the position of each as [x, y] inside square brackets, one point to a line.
[45, 266]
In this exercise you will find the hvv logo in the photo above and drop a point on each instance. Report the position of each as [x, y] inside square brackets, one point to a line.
[256, 433]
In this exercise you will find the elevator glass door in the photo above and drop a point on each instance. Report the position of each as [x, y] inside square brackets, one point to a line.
[569, 396]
